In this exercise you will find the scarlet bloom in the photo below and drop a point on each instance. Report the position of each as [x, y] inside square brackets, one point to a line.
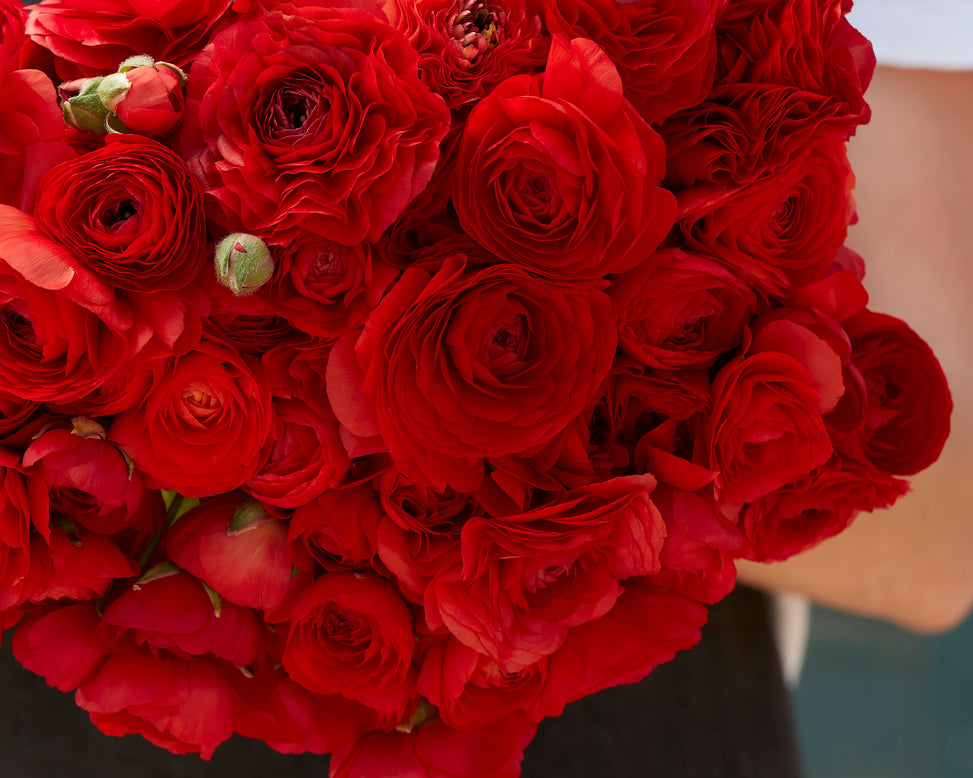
[525, 581]
[88, 478]
[203, 428]
[680, 311]
[664, 50]
[130, 211]
[781, 231]
[815, 49]
[64, 332]
[468, 365]
[559, 174]
[467, 48]
[89, 40]
[354, 637]
[908, 400]
[765, 429]
[237, 548]
[31, 135]
[306, 117]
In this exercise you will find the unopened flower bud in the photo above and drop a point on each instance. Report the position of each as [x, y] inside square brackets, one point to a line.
[81, 106]
[144, 97]
[136, 61]
[243, 263]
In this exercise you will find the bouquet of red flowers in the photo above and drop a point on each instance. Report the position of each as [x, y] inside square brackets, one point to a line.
[376, 378]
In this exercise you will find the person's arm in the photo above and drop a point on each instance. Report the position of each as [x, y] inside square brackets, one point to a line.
[912, 564]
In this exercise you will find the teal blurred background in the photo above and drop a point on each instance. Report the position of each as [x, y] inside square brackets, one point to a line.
[877, 702]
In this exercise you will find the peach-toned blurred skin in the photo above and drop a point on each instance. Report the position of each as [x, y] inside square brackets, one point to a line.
[911, 564]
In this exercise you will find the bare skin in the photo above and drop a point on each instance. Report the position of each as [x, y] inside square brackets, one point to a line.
[912, 564]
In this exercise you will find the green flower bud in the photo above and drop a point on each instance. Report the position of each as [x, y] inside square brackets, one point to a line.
[81, 106]
[112, 90]
[243, 263]
[136, 61]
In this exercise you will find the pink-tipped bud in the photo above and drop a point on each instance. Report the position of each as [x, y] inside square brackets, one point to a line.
[243, 263]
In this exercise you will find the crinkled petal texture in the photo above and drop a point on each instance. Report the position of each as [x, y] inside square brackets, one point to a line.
[203, 428]
[466, 49]
[91, 38]
[765, 429]
[526, 581]
[130, 212]
[311, 118]
[560, 174]
[663, 49]
[474, 364]
[63, 331]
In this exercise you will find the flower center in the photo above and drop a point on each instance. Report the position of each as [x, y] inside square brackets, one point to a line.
[20, 331]
[475, 30]
[506, 339]
[117, 213]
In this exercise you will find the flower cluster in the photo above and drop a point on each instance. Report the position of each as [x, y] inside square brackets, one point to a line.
[378, 379]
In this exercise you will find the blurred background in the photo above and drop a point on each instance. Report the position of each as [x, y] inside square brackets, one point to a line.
[878, 702]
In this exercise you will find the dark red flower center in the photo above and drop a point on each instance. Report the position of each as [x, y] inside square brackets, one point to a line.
[117, 212]
[507, 339]
[20, 331]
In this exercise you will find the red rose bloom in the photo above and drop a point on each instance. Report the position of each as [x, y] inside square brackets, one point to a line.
[559, 174]
[91, 39]
[203, 428]
[478, 364]
[311, 118]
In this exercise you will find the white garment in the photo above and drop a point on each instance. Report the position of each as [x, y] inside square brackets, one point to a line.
[928, 34]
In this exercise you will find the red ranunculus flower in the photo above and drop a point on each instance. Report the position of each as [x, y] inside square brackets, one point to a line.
[680, 311]
[31, 135]
[203, 428]
[90, 39]
[663, 49]
[13, 17]
[559, 174]
[65, 332]
[804, 43]
[433, 750]
[476, 364]
[354, 637]
[130, 212]
[311, 118]
[152, 103]
[88, 477]
[908, 400]
[237, 548]
[764, 429]
[467, 48]
[781, 231]
[525, 581]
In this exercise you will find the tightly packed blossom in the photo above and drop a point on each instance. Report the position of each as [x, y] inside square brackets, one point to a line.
[378, 379]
